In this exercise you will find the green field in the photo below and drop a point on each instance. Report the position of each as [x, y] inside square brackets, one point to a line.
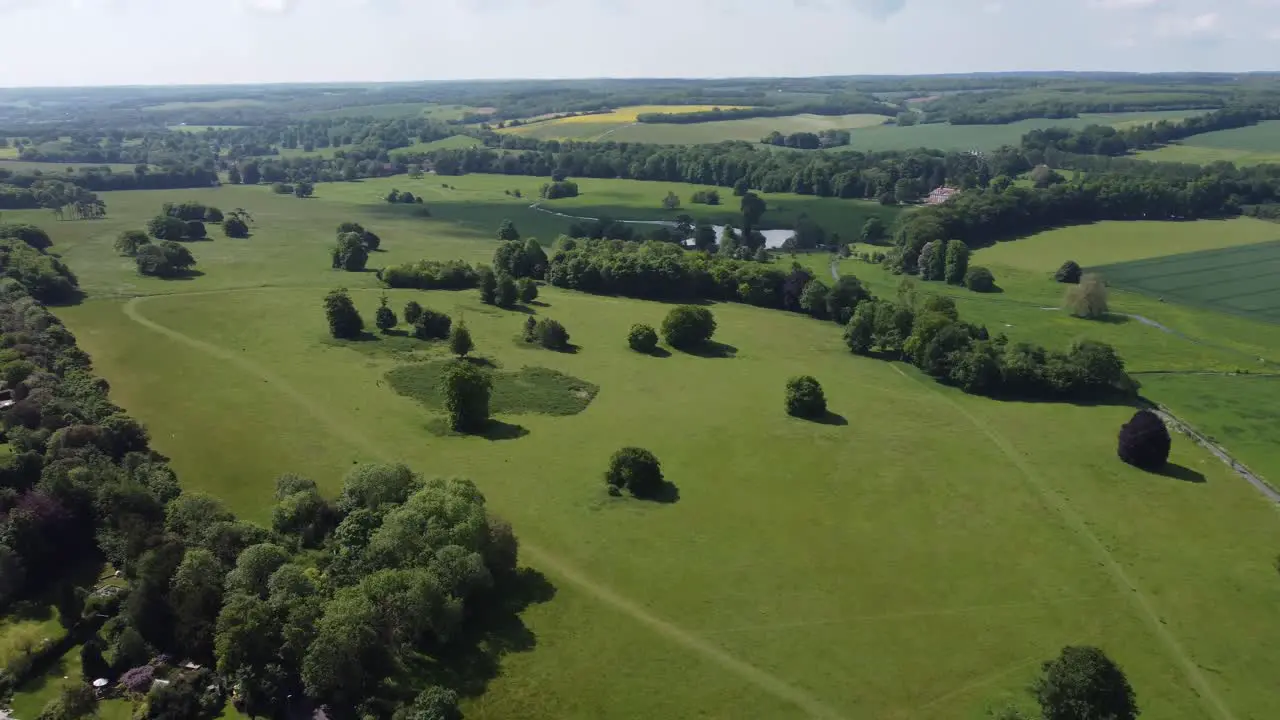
[394, 110]
[450, 143]
[1251, 145]
[51, 168]
[1240, 280]
[919, 561]
[224, 104]
[750, 129]
[1105, 243]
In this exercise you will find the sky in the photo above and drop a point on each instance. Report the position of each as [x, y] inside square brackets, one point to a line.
[163, 42]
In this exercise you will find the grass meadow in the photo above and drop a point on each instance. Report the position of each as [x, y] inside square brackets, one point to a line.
[748, 129]
[1251, 145]
[917, 556]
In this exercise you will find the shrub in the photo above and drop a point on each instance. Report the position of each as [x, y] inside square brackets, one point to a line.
[527, 289]
[130, 241]
[385, 317]
[195, 230]
[1082, 682]
[805, 398]
[506, 295]
[980, 279]
[412, 311]
[642, 339]
[234, 227]
[432, 325]
[344, 320]
[488, 283]
[551, 335]
[1069, 272]
[466, 391]
[1144, 441]
[460, 340]
[635, 470]
[688, 326]
[1088, 298]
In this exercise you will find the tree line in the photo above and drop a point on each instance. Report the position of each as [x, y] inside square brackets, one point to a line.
[845, 103]
[1111, 141]
[807, 140]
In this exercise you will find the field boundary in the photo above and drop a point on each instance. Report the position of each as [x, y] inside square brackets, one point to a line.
[1267, 489]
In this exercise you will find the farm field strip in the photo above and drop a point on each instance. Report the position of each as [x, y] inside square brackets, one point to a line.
[1240, 280]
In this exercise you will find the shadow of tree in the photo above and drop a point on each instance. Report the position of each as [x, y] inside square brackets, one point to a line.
[659, 352]
[829, 418]
[713, 349]
[1179, 472]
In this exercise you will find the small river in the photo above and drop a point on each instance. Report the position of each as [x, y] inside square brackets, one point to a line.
[773, 239]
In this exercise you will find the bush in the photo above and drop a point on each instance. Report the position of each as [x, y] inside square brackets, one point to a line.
[466, 391]
[1088, 298]
[805, 398]
[234, 227]
[1144, 441]
[688, 326]
[635, 470]
[1082, 683]
[551, 335]
[195, 230]
[527, 289]
[344, 320]
[432, 325]
[1069, 272]
[642, 339]
[980, 279]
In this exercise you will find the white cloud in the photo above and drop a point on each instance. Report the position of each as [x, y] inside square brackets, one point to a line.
[878, 9]
[1124, 4]
[1180, 26]
[1273, 33]
[993, 8]
[268, 7]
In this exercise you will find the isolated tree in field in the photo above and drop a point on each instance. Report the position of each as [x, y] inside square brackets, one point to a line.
[1145, 441]
[1088, 298]
[432, 325]
[635, 470]
[506, 295]
[344, 320]
[507, 231]
[195, 230]
[166, 227]
[412, 311]
[349, 253]
[688, 326]
[551, 335]
[957, 261]
[130, 241]
[466, 391]
[805, 399]
[166, 259]
[980, 279]
[1070, 272]
[385, 317]
[527, 289]
[488, 283]
[671, 201]
[1082, 683]
[873, 230]
[460, 340]
[642, 339]
[234, 227]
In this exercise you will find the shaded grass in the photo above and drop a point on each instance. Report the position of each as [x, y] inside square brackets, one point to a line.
[527, 390]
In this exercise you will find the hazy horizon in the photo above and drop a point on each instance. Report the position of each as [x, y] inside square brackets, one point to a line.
[229, 42]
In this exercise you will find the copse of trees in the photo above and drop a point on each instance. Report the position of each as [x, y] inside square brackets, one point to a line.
[432, 325]
[130, 241]
[234, 227]
[343, 318]
[1145, 441]
[430, 275]
[520, 259]
[45, 277]
[166, 259]
[808, 140]
[559, 189]
[33, 236]
[166, 227]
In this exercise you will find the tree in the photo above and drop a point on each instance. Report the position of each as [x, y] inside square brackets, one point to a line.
[729, 242]
[642, 339]
[845, 297]
[535, 259]
[527, 290]
[506, 295]
[488, 283]
[234, 227]
[1042, 177]
[212, 215]
[1069, 272]
[688, 326]
[704, 238]
[466, 391]
[741, 187]
[385, 317]
[1088, 298]
[805, 398]
[507, 231]
[196, 597]
[859, 334]
[873, 230]
[195, 230]
[432, 325]
[412, 311]
[344, 320]
[130, 241]
[370, 241]
[671, 201]
[74, 701]
[980, 279]
[813, 299]
[1082, 683]
[530, 333]
[957, 261]
[635, 470]
[349, 253]
[753, 208]
[166, 227]
[1145, 441]
[551, 335]
[167, 259]
[932, 261]
[460, 340]
[303, 189]
[233, 176]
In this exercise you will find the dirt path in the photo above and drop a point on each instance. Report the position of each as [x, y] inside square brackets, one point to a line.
[1052, 500]
[1219, 452]
[771, 684]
